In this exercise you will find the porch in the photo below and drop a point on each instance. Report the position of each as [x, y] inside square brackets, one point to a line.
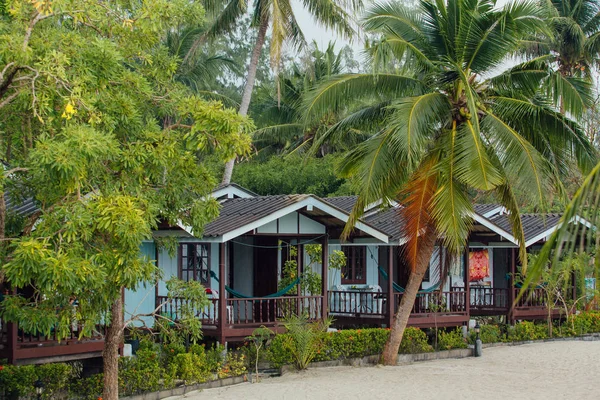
[19, 347]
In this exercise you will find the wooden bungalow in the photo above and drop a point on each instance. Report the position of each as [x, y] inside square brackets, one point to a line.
[20, 347]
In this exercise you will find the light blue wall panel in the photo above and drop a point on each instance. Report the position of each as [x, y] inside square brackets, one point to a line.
[289, 223]
[142, 299]
[308, 225]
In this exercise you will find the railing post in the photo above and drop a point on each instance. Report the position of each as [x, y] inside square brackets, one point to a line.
[222, 295]
[12, 331]
[390, 289]
[324, 277]
[467, 283]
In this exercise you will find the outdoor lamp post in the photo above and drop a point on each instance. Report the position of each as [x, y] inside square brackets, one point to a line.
[478, 344]
[39, 388]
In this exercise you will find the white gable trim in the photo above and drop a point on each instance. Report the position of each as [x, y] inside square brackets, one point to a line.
[546, 234]
[231, 191]
[306, 202]
[495, 228]
[496, 211]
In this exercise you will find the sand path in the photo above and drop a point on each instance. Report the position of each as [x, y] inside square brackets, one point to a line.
[555, 370]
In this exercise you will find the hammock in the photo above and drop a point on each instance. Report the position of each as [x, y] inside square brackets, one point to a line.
[239, 295]
[400, 289]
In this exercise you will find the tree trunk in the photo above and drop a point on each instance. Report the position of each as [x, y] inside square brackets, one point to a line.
[110, 355]
[390, 351]
[248, 87]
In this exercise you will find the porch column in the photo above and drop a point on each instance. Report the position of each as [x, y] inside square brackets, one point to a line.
[511, 285]
[390, 289]
[222, 296]
[299, 262]
[11, 328]
[324, 275]
[467, 282]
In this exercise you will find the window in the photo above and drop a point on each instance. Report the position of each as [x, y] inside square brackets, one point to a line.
[194, 262]
[355, 271]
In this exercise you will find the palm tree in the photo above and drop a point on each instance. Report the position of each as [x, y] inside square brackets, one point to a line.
[279, 15]
[279, 112]
[442, 129]
[573, 47]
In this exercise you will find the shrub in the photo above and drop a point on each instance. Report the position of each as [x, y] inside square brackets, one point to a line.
[414, 341]
[487, 334]
[303, 339]
[191, 367]
[89, 388]
[235, 365]
[527, 330]
[583, 323]
[448, 340]
[19, 380]
[140, 374]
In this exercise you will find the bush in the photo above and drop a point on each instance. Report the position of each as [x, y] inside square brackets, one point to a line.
[304, 339]
[448, 340]
[414, 341]
[488, 334]
[527, 330]
[235, 365]
[191, 368]
[140, 374]
[89, 388]
[583, 323]
[19, 380]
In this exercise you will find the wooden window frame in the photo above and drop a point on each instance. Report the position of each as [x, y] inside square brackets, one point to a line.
[351, 265]
[196, 272]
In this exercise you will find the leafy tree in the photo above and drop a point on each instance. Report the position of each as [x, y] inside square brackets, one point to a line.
[443, 129]
[284, 28]
[85, 90]
[292, 175]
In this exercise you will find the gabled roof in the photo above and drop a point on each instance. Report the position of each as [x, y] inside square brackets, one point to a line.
[387, 221]
[241, 215]
[231, 191]
[536, 227]
[345, 203]
[22, 208]
[488, 210]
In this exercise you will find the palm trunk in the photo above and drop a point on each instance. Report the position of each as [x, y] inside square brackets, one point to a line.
[110, 355]
[390, 351]
[249, 87]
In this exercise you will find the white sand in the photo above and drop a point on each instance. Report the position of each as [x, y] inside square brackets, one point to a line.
[556, 370]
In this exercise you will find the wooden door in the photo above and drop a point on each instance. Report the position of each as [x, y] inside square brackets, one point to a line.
[265, 277]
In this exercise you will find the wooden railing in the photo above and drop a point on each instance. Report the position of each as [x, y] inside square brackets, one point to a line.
[249, 311]
[489, 298]
[534, 297]
[441, 303]
[357, 302]
[267, 311]
[169, 308]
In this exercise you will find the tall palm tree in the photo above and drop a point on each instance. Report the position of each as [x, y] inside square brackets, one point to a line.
[279, 15]
[279, 113]
[572, 45]
[442, 129]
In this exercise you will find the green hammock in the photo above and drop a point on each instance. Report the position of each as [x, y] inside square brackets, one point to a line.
[239, 295]
[400, 289]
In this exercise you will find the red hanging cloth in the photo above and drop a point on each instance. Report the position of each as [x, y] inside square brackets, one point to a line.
[479, 265]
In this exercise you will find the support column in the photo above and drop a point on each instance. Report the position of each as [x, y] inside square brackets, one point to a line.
[299, 260]
[511, 285]
[467, 283]
[390, 289]
[325, 276]
[222, 296]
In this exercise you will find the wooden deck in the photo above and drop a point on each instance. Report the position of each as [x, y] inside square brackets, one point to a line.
[348, 308]
[19, 347]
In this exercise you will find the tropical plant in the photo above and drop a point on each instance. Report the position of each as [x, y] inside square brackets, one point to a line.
[303, 340]
[445, 124]
[260, 339]
[280, 16]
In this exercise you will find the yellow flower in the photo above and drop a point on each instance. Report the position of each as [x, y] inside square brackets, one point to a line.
[69, 111]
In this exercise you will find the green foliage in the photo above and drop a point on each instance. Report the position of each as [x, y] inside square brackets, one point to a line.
[349, 343]
[260, 338]
[526, 330]
[414, 341]
[582, 323]
[19, 380]
[303, 339]
[234, 365]
[312, 175]
[192, 367]
[140, 374]
[89, 388]
[488, 334]
[452, 339]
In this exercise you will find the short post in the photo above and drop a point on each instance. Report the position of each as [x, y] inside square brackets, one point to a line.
[478, 344]
[39, 388]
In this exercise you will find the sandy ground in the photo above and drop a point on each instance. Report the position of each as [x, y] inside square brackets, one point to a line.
[556, 370]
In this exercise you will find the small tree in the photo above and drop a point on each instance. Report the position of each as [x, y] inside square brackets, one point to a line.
[259, 338]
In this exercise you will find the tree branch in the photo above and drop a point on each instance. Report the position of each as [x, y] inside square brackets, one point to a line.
[10, 98]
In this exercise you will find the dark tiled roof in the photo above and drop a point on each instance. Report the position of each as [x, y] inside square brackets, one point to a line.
[533, 224]
[345, 203]
[387, 221]
[481, 209]
[236, 213]
[20, 207]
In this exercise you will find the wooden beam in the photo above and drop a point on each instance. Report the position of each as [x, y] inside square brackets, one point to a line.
[390, 289]
[222, 296]
[324, 275]
[511, 285]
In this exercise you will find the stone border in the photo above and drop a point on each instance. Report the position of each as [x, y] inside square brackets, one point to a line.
[592, 337]
[185, 389]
